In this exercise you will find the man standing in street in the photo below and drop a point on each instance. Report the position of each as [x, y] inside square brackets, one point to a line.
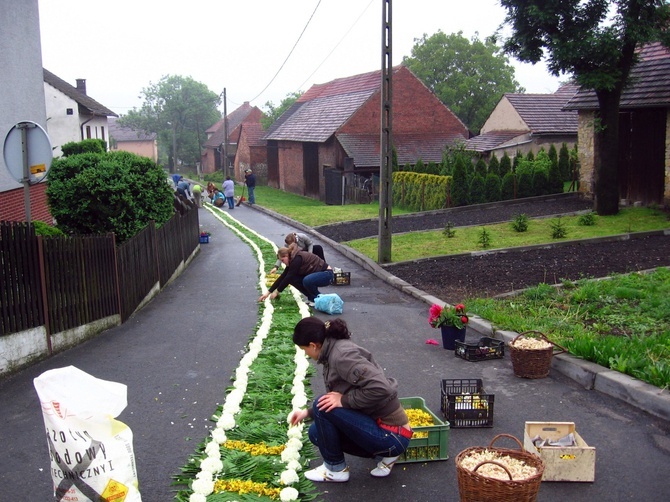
[250, 180]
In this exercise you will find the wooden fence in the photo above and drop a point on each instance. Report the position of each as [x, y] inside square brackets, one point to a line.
[65, 282]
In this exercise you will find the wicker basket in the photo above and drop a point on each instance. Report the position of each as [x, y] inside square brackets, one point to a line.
[532, 363]
[474, 487]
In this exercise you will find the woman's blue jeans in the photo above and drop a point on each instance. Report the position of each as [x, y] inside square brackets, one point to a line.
[343, 430]
[312, 282]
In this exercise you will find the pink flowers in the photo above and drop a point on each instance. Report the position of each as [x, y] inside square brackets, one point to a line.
[447, 316]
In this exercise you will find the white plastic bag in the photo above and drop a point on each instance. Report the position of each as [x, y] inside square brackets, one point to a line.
[330, 303]
[91, 452]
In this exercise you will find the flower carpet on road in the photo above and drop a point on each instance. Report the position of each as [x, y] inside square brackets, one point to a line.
[251, 452]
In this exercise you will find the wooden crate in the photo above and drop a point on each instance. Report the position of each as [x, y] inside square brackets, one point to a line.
[562, 463]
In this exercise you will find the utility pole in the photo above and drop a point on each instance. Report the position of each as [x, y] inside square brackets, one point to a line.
[226, 170]
[386, 140]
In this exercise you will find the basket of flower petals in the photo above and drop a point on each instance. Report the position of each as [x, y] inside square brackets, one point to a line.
[494, 474]
[531, 354]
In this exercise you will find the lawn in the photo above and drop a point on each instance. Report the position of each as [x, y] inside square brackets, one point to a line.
[622, 323]
[304, 209]
[415, 245]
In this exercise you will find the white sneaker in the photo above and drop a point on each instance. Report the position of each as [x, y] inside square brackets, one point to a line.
[384, 467]
[322, 473]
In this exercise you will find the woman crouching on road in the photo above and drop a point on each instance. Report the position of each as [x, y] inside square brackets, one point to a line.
[361, 414]
[304, 271]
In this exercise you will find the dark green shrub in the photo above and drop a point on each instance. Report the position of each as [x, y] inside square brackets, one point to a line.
[432, 168]
[484, 239]
[540, 181]
[505, 165]
[85, 146]
[480, 167]
[419, 167]
[520, 223]
[507, 186]
[492, 187]
[449, 230]
[518, 157]
[116, 192]
[477, 190]
[587, 220]
[459, 185]
[564, 162]
[558, 229]
[494, 165]
[524, 187]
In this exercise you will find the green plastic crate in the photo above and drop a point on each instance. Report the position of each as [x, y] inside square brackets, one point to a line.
[433, 447]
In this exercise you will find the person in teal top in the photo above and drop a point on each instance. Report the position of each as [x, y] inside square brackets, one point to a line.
[218, 200]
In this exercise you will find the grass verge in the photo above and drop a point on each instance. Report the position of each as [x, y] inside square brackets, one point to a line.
[622, 323]
[415, 245]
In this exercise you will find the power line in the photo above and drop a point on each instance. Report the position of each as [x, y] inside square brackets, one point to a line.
[336, 45]
[289, 54]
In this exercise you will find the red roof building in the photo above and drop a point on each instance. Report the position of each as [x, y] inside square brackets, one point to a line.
[333, 132]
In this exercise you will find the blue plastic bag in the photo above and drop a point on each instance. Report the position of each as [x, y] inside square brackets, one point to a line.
[330, 303]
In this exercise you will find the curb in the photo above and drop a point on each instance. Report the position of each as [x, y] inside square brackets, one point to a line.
[591, 376]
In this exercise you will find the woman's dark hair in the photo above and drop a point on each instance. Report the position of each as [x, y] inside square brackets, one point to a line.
[314, 330]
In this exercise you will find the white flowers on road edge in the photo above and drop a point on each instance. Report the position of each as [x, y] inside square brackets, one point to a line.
[203, 485]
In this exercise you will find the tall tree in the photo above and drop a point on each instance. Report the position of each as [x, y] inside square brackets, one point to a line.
[468, 76]
[596, 41]
[272, 112]
[179, 110]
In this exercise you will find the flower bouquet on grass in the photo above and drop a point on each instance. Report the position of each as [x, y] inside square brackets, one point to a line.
[451, 320]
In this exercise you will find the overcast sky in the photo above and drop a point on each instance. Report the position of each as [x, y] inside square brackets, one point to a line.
[123, 46]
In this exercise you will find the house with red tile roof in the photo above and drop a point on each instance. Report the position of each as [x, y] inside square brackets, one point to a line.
[212, 149]
[527, 122]
[644, 131]
[331, 134]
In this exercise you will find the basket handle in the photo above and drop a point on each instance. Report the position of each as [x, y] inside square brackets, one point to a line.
[495, 463]
[506, 436]
[543, 336]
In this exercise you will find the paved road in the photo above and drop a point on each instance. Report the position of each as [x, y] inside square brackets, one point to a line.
[176, 356]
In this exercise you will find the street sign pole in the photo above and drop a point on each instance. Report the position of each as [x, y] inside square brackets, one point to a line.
[23, 127]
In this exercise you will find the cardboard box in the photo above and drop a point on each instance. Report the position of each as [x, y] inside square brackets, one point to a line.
[562, 463]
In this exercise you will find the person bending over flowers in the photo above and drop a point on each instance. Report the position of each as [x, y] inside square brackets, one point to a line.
[304, 271]
[360, 414]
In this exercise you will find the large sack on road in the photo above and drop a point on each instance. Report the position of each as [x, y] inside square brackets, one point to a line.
[91, 452]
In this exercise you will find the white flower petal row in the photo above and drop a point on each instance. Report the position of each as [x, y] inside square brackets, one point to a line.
[203, 485]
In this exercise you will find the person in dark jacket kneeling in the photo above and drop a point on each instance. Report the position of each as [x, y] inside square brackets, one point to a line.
[360, 414]
[304, 271]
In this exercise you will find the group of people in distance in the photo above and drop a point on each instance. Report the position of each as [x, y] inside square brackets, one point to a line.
[360, 414]
[216, 196]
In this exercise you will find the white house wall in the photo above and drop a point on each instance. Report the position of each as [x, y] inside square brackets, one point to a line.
[504, 117]
[62, 128]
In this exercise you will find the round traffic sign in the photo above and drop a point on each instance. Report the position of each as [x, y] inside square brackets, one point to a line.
[38, 148]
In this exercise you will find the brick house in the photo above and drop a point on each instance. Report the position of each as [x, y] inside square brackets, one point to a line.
[331, 133]
[130, 140]
[644, 131]
[212, 149]
[252, 152]
[527, 122]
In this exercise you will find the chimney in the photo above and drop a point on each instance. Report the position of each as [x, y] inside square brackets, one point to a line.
[81, 85]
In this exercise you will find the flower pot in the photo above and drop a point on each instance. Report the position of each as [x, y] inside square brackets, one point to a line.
[449, 336]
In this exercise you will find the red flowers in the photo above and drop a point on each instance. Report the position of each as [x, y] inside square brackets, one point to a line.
[447, 316]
